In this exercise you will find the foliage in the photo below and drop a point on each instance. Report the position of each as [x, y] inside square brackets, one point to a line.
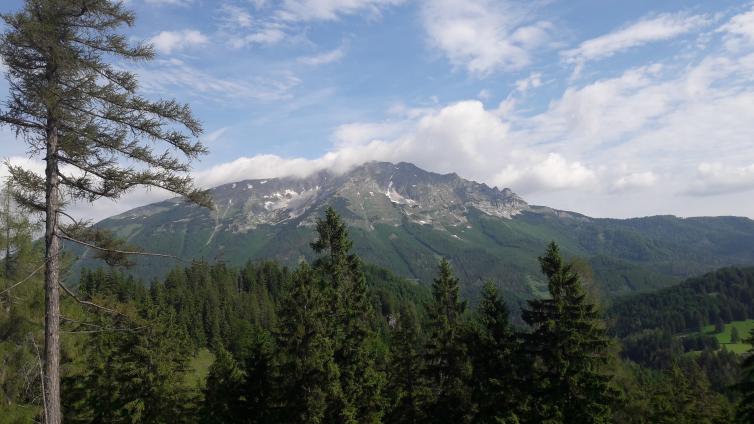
[448, 367]
[570, 347]
[745, 409]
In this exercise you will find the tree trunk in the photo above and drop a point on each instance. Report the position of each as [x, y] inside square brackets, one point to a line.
[7, 231]
[52, 275]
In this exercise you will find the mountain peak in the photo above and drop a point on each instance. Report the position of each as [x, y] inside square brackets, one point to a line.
[370, 194]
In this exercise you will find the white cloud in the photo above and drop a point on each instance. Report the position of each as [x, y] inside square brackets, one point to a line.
[634, 180]
[214, 136]
[325, 57]
[739, 30]
[484, 36]
[546, 173]
[532, 81]
[240, 29]
[463, 137]
[603, 111]
[647, 30]
[328, 10]
[361, 133]
[269, 34]
[717, 178]
[169, 41]
[484, 94]
[234, 16]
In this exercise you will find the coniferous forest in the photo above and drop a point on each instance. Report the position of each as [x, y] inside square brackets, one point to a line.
[336, 340]
[326, 337]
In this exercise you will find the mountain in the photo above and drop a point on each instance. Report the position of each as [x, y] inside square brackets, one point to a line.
[404, 218]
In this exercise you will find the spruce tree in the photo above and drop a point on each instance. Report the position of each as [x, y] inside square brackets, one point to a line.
[405, 387]
[745, 408]
[308, 375]
[137, 375]
[568, 347]
[734, 336]
[98, 137]
[492, 348]
[258, 385]
[448, 368]
[350, 324]
[223, 402]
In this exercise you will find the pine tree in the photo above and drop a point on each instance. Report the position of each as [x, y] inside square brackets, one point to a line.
[745, 408]
[258, 385]
[223, 402]
[569, 349]
[448, 368]
[137, 375]
[405, 386]
[350, 325]
[99, 139]
[308, 375]
[492, 346]
[734, 336]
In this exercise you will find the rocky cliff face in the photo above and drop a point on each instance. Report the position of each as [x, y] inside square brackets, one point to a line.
[374, 193]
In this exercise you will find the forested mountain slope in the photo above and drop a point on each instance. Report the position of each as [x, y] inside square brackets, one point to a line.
[404, 218]
[723, 295]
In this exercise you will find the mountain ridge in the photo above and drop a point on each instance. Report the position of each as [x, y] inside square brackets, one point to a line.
[404, 218]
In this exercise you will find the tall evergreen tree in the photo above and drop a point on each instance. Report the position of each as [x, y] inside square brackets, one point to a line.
[569, 349]
[350, 324]
[99, 139]
[492, 346]
[137, 375]
[745, 408]
[405, 386]
[308, 375]
[448, 368]
[223, 399]
[258, 385]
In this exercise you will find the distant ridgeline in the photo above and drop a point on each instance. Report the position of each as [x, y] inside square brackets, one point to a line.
[655, 328]
[724, 295]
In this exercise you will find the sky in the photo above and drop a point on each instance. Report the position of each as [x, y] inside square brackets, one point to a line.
[608, 108]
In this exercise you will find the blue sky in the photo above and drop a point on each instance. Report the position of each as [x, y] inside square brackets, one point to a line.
[619, 108]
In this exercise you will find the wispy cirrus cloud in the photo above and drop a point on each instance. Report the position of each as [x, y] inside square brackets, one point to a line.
[324, 57]
[328, 10]
[283, 19]
[166, 76]
[648, 29]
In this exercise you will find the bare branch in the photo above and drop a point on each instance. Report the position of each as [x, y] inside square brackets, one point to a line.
[24, 280]
[99, 328]
[67, 215]
[88, 303]
[41, 375]
[122, 252]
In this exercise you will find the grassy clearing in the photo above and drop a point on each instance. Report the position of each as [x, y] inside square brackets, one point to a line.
[724, 337]
[200, 365]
